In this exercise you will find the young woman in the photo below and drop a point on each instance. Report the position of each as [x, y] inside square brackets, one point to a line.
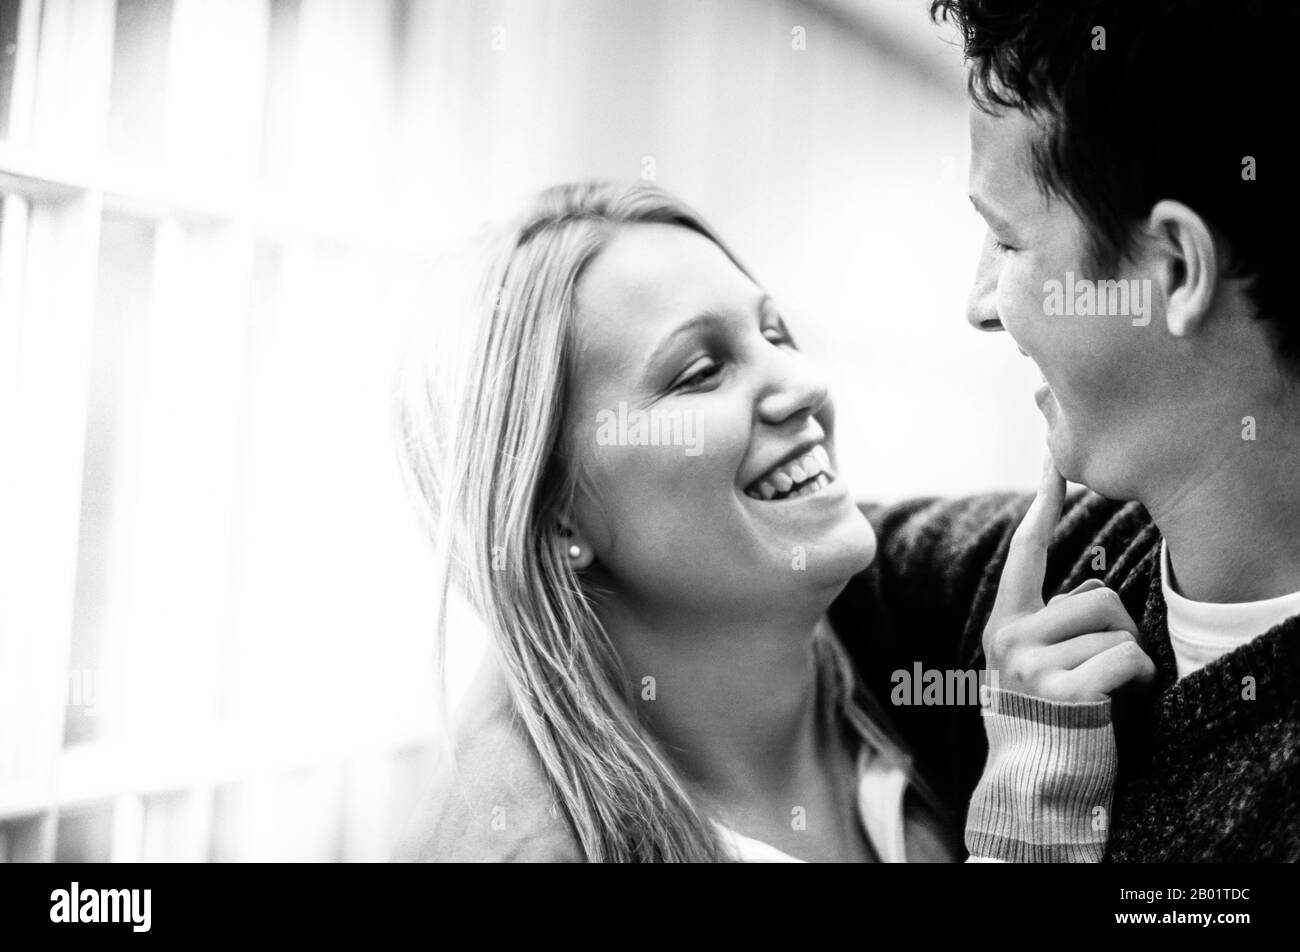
[633, 481]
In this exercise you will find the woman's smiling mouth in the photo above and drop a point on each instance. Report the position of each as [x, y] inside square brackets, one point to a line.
[804, 475]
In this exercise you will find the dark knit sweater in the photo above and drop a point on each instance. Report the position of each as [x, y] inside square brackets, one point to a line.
[1206, 771]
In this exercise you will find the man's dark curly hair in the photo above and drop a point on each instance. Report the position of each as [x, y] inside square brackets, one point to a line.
[1183, 92]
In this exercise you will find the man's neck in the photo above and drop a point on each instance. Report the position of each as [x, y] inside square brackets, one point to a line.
[1234, 531]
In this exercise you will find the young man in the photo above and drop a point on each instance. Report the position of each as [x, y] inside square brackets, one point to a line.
[1130, 160]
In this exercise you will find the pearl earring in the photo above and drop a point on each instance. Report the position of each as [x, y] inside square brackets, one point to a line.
[574, 551]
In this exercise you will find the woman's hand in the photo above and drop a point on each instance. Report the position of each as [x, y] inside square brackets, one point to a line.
[1080, 646]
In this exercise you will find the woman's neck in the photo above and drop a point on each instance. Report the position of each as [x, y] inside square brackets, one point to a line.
[733, 704]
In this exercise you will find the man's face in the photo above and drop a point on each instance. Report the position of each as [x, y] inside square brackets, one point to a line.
[1100, 395]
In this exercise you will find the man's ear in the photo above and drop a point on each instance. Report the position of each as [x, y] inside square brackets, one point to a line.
[572, 547]
[1189, 269]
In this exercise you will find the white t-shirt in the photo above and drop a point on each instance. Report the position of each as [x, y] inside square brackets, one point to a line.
[1200, 632]
[881, 786]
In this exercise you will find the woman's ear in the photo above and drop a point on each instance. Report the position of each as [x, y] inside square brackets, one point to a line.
[572, 547]
[1190, 267]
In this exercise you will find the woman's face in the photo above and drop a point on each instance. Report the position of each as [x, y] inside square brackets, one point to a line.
[703, 437]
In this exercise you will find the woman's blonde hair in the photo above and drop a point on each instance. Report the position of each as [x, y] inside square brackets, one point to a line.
[488, 460]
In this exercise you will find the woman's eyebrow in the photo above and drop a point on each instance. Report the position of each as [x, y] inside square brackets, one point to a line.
[705, 319]
[708, 320]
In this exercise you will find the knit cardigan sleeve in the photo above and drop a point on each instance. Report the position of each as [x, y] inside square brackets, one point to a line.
[1045, 794]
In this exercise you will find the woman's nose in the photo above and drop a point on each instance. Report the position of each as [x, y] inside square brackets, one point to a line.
[798, 390]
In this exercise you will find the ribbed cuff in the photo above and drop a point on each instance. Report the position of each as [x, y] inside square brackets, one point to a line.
[1045, 795]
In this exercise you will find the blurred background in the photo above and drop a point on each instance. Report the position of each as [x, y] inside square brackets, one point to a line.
[216, 219]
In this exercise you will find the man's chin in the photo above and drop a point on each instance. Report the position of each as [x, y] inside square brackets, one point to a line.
[1104, 475]
[1086, 450]
[1065, 452]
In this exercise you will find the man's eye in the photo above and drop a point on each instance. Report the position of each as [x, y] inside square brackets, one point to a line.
[1001, 247]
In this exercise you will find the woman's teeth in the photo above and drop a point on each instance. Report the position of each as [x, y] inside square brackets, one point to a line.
[803, 476]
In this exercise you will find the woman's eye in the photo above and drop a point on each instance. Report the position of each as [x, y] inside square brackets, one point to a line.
[700, 376]
[1001, 248]
[778, 336]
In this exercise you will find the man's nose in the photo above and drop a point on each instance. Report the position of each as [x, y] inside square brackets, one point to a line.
[981, 303]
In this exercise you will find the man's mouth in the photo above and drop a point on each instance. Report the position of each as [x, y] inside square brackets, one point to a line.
[1025, 353]
[804, 475]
